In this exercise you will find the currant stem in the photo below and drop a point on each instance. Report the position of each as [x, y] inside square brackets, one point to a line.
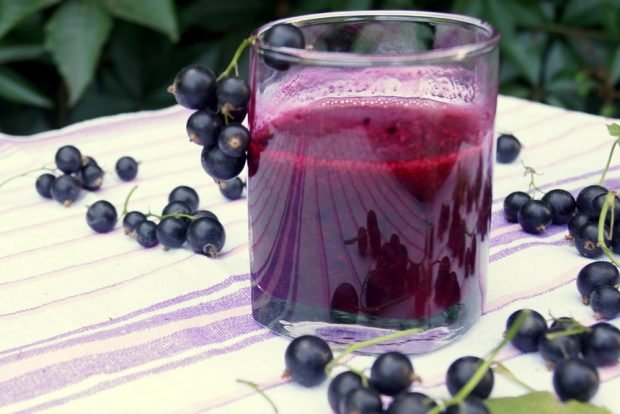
[127, 200]
[532, 188]
[8, 180]
[610, 199]
[374, 341]
[611, 153]
[235, 59]
[502, 369]
[484, 367]
[257, 388]
[177, 215]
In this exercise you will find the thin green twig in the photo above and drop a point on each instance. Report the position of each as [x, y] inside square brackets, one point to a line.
[235, 59]
[8, 180]
[257, 388]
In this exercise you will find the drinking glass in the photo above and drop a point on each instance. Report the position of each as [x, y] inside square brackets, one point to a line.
[370, 176]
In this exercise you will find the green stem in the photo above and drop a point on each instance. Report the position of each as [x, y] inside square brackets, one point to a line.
[370, 342]
[611, 153]
[469, 386]
[256, 388]
[610, 199]
[567, 332]
[127, 200]
[233, 63]
[502, 369]
[532, 188]
[177, 215]
[8, 180]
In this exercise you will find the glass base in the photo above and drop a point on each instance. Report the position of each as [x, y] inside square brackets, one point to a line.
[340, 329]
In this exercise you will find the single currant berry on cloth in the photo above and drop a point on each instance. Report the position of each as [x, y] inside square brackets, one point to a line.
[529, 332]
[126, 168]
[305, 359]
[575, 379]
[232, 189]
[91, 177]
[281, 35]
[171, 232]
[586, 241]
[513, 203]
[206, 236]
[185, 194]
[43, 184]
[411, 403]
[601, 344]
[605, 302]
[194, 87]
[461, 371]
[585, 197]
[596, 274]
[146, 234]
[562, 203]
[576, 222]
[101, 216]
[392, 373]
[340, 386]
[508, 148]
[361, 400]
[131, 221]
[534, 216]
[65, 189]
[554, 347]
[68, 159]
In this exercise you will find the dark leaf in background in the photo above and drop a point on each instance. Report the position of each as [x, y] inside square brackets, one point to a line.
[156, 14]
[12, 53]
[75, 35]
[14, 11]
[17, 89]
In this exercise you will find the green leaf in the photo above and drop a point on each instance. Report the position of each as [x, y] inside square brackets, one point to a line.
[614, 130]
[540, 403]
[582, 13]
[12, 53]
[156, 14]
[75, 35]
[13, 11]
[17, 89]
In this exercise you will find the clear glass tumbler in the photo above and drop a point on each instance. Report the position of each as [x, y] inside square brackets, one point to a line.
[370, 177]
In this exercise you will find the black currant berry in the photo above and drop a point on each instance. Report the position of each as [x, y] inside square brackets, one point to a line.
[126, 168]
[576, 222]
[614, 243]
[508, 148]
[361, 401]
[555, 349]
[597, 207]
[340, 386]
[575, 379]
[232, 189]
[68, 159]
[194, 87]
[43, 184]
[91, 177]
[530, 331]
[233, 140]
[562, 203]
[131, 221]
[513, 203]
[411, 403]
[88, 160]
[596, 274]
[601, 344]
[392, 373]
[461, 371]
[203, 128]
[233, 94]
[171, 232]
[564, 323]
[534, 216]
[471, 405]
[605, 302]
[177, 207]
[146, 234]
[281, 35]
[585, 197]
[205, 213]
[206, 236]
[305, 359]
[219, 165]
[185, 194]
[101, 216]
[586, 241]
[65, 189]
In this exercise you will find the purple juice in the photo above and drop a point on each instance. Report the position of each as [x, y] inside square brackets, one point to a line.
[369, 213]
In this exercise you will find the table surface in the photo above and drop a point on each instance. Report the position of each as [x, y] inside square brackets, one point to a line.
[95, 323]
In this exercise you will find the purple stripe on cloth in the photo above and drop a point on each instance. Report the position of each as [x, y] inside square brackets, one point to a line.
[507, 252]
[55, 377]
[236, 299]
[163, 368]
[161, 305]
[518, 233]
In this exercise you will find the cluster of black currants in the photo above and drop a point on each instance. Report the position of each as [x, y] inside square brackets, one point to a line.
[597, 283]
[307, 359]
[221, 104]
[79, 172]
[573, 351]
[180, 222]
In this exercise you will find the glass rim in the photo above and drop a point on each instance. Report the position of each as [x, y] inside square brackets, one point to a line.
[322, 58]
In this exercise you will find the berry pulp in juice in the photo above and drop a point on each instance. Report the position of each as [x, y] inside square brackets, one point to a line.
[370, 211]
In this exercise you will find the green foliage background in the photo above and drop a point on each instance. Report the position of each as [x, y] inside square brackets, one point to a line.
[62, 61]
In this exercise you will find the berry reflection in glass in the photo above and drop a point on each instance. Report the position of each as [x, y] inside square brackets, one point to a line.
[369, 188]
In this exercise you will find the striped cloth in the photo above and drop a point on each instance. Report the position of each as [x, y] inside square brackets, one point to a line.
[95, 323]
